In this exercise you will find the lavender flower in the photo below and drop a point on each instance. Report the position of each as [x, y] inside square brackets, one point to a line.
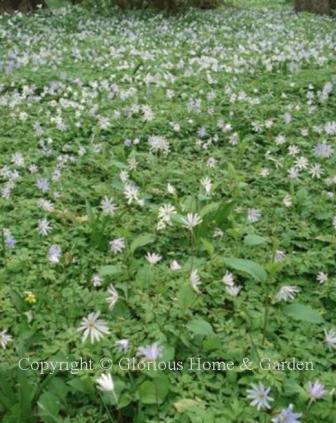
[253, 215]
[54, 254]
[10, 241]
[323, 150]
[287, 416]
[316, 390]
[150, 352]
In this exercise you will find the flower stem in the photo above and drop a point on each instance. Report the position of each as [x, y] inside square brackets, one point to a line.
[267, 296]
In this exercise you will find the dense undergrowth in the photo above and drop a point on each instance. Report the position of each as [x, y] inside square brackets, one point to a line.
[177, 176]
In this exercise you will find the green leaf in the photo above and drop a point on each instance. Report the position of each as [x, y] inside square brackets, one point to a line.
[303, 312]
[82, 384]
[214, 214]
[25, 395]
[186, 404]
[90, 213]
[209, 208]
[302, 195]
[252, 240]
[168, 353]
[185, 296]
[118, 164]
[190, 204]
[200, 327]
[154, 391]
[58, 387]
[223, 213]
[8, 396]
[250, 267]
[109, 270]
[49, 407]
[141, 241]
[212, 343]
[208, 246]
[17, 301]
[144, 276]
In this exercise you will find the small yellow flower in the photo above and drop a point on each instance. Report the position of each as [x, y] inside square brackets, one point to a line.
[30, 298]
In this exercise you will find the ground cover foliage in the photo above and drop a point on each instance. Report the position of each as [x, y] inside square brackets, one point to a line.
[167, 191]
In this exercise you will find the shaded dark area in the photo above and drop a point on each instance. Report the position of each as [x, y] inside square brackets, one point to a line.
[322, 7]
[170, 5]
[21, 5]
